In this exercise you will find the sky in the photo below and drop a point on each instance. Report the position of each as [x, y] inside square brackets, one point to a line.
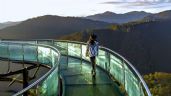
[19, 10]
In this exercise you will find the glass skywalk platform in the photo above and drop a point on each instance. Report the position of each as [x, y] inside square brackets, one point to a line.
[70, 73]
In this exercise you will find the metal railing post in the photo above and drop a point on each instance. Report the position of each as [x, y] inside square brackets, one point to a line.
[81, 54]
[109, 61]
[8, 58]
[124, 72]
[53, 42]
[67, 56]
[22, 46]
[25, 80]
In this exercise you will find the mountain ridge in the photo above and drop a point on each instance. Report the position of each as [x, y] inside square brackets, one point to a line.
[54, 26]
[112, 17]
[165, 15]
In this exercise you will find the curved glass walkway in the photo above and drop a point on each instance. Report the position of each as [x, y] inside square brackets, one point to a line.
[115, 75]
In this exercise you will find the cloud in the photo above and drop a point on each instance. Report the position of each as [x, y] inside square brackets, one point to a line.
[141, 3]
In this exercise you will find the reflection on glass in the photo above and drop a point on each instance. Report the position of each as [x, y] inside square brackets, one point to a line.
[116, 69]
[4, 51]
[16, 52]
[84, 47]
[30, 53]
[54, 57]
[74, 50]
[62, 47]
[103, 60]
[44, 55]
[131, 84]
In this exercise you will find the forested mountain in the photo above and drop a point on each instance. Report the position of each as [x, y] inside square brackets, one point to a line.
[49, 27]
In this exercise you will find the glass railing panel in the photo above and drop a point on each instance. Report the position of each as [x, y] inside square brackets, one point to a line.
[116, 68]
[84, 48]
[54, 56]
[74, 50]
[103, 60]
[48, 86]
[126, 68]
[16, 52]
[4, 52]
[62, 47]
[30, 53]
[142, 90]
[44, 55]
[132, 84]
[63, 62]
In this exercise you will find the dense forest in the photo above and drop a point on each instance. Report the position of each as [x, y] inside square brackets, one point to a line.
[159, 83]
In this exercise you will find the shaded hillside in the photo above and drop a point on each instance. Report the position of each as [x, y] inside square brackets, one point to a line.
[146, 45]
[119, 18]
[49, 27]
[8, 24]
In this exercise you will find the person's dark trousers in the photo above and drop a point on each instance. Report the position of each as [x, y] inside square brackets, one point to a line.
[93, 62]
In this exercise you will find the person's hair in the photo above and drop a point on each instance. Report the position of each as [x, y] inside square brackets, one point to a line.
[94, 37]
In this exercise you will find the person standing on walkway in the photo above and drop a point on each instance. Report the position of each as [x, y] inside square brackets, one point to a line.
[92, 51]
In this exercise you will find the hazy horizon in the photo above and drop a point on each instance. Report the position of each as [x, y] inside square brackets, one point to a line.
[19, 10]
